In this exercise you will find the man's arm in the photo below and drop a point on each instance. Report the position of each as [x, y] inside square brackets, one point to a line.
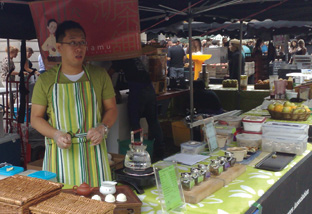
[110, 112]
[109, 117]
[38, 122]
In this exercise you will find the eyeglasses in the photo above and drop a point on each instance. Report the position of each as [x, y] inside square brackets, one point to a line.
[75, 44]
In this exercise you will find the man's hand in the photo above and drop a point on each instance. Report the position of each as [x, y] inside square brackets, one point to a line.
[62, 139]
[96, 135]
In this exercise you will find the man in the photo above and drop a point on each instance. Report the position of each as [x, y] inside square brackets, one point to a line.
[176, 57]
[80, 103]
[142, 100]
[234, 60]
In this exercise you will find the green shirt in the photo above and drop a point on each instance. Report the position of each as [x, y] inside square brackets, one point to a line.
[103, 87]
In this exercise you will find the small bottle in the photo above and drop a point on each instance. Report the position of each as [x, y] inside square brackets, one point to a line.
[215, 167]
[224, 162]
[204, 169]
[197, 176]
[230, 158]
[187, 181]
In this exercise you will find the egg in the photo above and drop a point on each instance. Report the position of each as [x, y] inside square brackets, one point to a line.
[110, 198]
[121, 197]
[96, 197]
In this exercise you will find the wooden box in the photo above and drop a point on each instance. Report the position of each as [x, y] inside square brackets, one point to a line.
[69, 203]
[118, 161]
[18, 193]
[35, 165]
[160, 86]
[132, 205]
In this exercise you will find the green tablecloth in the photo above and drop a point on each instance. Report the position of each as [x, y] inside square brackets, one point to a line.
[248, 99]
[234, 198]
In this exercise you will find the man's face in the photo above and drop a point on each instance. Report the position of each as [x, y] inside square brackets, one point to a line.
[72, 55]
[28, 54]
[232, 48]
[52, 27]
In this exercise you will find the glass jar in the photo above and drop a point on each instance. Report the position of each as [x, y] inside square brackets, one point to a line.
[187, 181]
[230, 158]
[197, 176]
[215, 168]
[204, 169]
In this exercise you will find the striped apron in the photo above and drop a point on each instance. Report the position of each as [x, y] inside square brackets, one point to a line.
[75, 107]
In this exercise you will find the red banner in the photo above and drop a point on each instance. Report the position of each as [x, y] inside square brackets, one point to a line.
[112, 26]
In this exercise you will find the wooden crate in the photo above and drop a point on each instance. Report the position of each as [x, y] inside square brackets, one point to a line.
[160, 86]
[69, 203]
[19, 192]
[132, 205]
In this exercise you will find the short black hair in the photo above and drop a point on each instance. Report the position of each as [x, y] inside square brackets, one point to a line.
[51, 20]
[64, 26]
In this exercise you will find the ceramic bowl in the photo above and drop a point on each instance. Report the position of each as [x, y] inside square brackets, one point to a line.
[108, 187]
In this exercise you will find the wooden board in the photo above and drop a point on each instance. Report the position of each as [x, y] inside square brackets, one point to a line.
[132, 205]
[203, 190]
[232, 173]
[213, 184]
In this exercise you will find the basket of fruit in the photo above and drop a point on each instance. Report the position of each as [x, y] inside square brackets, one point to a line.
[289, 111]
[229, 83]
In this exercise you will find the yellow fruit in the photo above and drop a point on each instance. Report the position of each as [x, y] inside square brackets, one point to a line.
[278, 108]
[287, 103]
[307, 109]
[271, 107]
[287, 109]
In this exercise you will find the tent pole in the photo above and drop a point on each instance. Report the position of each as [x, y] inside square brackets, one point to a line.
[240, 63]
[191, 74]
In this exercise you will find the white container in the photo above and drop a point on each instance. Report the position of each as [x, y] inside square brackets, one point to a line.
[282, 129]
[224, 140]
[238, 152]
[288, 144]
[192, 147]
[225, 130]
[253, 123]
[249, 140]
[235, 121]
[108, 187]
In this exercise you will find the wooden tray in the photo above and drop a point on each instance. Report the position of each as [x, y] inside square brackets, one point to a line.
[69, 203]
[213, 184]
[132, 205]
[18, 193]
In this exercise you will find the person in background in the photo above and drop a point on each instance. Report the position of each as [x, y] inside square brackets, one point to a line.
[28, 67]
[260, 73]
[225, 42]
[176, 58]
[250, 45]
[302, 50]
[79, 99]
[206, 101]
[246, 50]
[5, 69]
[215, 44]
[234, 60]
[41, 64]
[142, 100]
[196, 46]
[292, 50]
[264, 48]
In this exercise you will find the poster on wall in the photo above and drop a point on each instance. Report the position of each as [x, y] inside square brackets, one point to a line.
[112, 27]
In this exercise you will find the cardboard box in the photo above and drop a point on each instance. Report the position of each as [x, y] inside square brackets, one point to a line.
[118, 161]
[181, 133]
[35, 165]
